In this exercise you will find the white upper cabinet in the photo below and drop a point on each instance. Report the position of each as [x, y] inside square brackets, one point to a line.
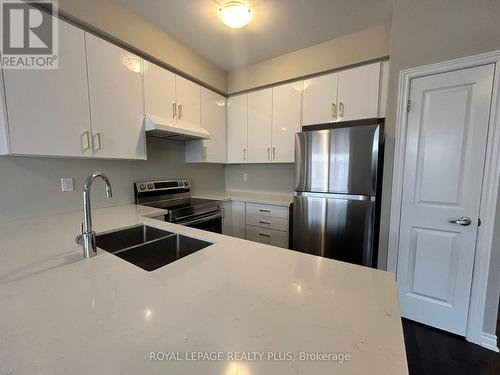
[115, 90]
[188, 103]
[384, 88]
[358, 92]
[319, 103]
[260, 107]
[48, 110]
[237, 129]
[159, 93]
[286, 121]
[213, 119]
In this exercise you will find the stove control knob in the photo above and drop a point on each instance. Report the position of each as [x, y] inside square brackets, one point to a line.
[150, 186]
[142, 187]
[186, 183]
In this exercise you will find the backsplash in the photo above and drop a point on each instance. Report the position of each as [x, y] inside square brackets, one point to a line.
[31, 186]
[269, 178]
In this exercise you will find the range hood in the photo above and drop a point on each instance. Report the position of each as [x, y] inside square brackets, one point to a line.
[159, 128]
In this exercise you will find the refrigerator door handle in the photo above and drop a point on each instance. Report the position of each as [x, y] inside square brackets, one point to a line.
[351, 197]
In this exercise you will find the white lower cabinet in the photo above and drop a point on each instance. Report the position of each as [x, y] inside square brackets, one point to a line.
[116, 105]
[227, 221]
[267, 236]
[238, 219]
[267, 224]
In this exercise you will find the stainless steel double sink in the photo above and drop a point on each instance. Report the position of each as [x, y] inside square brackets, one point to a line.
[148, 247]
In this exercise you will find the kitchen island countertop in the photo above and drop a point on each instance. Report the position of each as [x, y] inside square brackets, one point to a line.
[61, 314]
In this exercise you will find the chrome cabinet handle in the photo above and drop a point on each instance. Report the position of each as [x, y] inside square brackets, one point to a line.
[97, 142]
[85, 140]
[268, 153]
[204, 156]
[341, 109]
[264, 210]
[180, 111]
[244, 153]
[174, 110]
[464, 221]
[274, 152]
[264, 234]
[334, 110]
[264, 222]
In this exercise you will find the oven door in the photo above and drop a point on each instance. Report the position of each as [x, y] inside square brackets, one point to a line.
[211, 221]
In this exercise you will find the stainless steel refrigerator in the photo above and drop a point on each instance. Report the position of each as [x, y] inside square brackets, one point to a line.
[336, 201]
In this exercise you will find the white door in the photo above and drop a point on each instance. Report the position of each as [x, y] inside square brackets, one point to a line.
[319, 102]
[213, 119]
[260, 106]
[115, 91]
[286, 121]
[358, 91]
[188, 103]
[445, 150]
[48, 110]
[237, 129]
[159, 94]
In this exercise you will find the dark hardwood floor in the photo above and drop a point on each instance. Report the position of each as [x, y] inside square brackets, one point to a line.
[431, 351]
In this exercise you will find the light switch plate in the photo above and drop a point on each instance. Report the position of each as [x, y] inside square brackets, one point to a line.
[245, 176]
[66, 184]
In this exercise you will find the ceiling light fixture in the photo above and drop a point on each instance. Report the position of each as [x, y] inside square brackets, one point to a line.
[235, 14]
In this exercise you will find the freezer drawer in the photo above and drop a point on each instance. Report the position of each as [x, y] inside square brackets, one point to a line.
[335, 227]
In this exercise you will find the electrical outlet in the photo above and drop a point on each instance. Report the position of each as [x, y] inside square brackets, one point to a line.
[245, 177]
[67, 184]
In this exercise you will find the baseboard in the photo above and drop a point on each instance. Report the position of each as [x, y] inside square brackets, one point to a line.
[489, 341]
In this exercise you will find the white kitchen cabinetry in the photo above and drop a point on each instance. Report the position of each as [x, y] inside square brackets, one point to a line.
[350, 94]
[48, 110]
[260, 106]
[384, 88]
[213, 119]
[116, 104]
[267, 224]
[238, 219]
[319, 100]
[237, 129]
[285, 121]
[159, 93]
[227, 222]
[358, 92]
[188, 103]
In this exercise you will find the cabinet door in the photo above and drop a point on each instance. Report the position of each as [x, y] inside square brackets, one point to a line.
[358, 92]
[260, 107]
[319, 103]
[115, 91]
[159, 93]
[286, 121]
[48, 110]
[227, 218]
[213, 119]
[188, 103]
[238, 219]
[237, 129]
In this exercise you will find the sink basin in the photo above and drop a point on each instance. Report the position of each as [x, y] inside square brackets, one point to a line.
[147, 247]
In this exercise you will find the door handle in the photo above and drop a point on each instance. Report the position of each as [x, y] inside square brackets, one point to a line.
[180, 111]
[334, 110]
[85, 140]
[264, 234]
[269, 153]
[97, 142]
[174, 110]
[274, 152]
[244, 153]
[464, 221]
[341, 109]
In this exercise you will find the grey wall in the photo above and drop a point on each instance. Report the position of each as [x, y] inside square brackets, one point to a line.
[31, 186]
[274, 178]
[368, 44]
[425, 32]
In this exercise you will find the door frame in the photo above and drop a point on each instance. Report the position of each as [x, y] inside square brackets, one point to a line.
[489, 189]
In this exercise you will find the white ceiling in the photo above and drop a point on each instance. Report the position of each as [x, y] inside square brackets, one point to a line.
[278, 26]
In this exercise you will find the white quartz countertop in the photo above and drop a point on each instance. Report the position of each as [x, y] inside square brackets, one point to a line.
[61, 314]
[251, 197]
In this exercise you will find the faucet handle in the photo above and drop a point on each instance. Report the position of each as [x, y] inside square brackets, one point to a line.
[79, 238]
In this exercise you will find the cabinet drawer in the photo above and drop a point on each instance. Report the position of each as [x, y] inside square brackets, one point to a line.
[267, 222]
[263, 211]
[267, 236]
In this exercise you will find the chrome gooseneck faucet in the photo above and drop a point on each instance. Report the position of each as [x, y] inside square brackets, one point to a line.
[87, 238]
